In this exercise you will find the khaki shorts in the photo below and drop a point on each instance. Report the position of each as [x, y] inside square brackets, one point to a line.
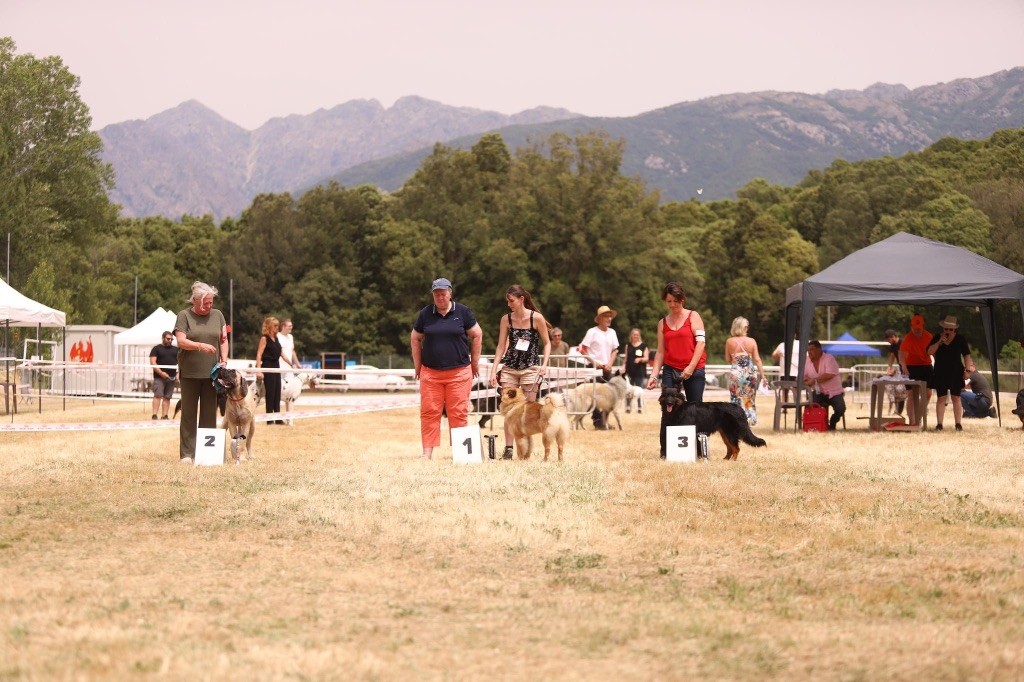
[520, 378]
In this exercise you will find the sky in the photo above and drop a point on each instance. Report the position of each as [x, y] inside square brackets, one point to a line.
[253, 60]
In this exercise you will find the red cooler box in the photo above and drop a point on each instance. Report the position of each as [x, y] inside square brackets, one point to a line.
[815, 418]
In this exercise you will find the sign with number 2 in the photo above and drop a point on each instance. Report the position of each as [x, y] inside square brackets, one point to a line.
[210, 447]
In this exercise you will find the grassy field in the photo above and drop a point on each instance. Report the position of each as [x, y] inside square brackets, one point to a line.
[338, 554]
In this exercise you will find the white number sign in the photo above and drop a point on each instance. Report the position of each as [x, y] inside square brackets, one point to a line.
[681, 443]
[210, 447]
[466, 445]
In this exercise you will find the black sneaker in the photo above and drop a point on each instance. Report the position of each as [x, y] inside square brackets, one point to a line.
[938, 427]
[165, 417]
[154, 416]
[959, 427]
[507, 454]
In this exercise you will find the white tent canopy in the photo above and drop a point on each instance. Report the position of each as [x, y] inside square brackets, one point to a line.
[149, 332]
[18, 310]
[133, 345]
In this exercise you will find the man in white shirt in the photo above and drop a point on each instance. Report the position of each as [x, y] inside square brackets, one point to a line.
[794, 362]
[601, 347]
[284, 337]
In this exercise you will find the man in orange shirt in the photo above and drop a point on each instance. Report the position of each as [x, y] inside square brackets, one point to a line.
[916, 363]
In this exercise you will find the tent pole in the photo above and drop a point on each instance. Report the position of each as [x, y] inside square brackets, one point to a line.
[64, 362]
[7, 361]
[39, 374]
[988, 323]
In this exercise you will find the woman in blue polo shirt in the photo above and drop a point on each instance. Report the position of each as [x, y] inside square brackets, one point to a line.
[445, 343]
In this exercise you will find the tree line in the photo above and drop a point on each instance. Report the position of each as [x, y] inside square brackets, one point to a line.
[352, 265]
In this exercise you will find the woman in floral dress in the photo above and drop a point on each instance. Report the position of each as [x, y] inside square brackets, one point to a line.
[747, 371]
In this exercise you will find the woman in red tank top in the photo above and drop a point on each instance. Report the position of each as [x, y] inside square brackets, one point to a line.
[680, 358]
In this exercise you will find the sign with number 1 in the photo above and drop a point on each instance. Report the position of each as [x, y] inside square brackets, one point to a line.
[681, 443]
[210, 447]
[466, 444]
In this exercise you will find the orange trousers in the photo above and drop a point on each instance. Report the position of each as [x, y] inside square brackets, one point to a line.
[446, 389]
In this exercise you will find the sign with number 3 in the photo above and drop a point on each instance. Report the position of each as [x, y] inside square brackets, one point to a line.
[681, 443]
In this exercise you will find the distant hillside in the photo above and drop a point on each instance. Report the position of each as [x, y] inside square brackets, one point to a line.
[191, 160]
[721, 143]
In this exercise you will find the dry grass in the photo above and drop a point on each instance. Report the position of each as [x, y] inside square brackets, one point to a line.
[339, 555]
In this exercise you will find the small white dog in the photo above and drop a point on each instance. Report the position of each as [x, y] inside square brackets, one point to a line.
[291, 389]
[634, 394]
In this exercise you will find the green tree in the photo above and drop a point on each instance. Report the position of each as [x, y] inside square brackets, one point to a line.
[591, 234]
[950, 218]
[52, 182]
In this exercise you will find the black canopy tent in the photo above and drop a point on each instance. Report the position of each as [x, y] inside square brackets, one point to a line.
[905, 270]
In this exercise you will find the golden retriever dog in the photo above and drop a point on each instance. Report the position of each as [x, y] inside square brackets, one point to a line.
[524, 419]
[239, 413]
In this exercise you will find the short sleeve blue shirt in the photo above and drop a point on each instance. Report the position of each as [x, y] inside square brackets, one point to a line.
[445, 343]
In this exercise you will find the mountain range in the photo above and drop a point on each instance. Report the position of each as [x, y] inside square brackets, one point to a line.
[191, 160]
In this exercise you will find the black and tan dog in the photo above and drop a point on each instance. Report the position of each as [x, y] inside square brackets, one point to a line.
[727, 419]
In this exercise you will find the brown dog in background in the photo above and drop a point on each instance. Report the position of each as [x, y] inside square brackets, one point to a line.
[524, 419]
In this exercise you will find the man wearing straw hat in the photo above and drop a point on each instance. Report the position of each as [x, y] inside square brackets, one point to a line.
[601, 347]
[948, 376]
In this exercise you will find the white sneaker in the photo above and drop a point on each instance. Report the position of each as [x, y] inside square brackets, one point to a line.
[186, 460]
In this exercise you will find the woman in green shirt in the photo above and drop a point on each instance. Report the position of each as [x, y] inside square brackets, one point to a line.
[202, 342]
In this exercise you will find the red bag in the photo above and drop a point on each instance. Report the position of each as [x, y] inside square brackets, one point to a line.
[815, 418]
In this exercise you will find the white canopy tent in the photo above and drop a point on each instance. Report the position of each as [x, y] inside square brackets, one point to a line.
[132, 346]
[18, 310]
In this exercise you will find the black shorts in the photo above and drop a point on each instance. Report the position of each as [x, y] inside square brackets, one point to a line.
[943, 384]
[920, 373]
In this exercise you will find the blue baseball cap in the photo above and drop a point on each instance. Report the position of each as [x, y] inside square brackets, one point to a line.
[441, 283]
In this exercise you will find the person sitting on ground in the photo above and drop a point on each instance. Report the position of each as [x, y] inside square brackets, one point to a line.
[821, 375]
[977, 400]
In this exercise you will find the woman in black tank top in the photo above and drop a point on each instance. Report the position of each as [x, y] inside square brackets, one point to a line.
[268, 355]
[524, 348]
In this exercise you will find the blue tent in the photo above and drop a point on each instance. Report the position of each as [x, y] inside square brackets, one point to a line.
[855, 348]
